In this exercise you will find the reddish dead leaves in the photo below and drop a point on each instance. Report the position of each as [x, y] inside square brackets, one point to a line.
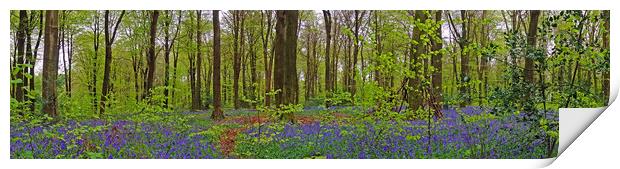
[227, 140]
[305, 119]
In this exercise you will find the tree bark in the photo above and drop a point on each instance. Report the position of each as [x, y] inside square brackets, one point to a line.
[63, 44]
[33, 59]
[437, 45]
[197, 96]
[285, 75]
[50, 63]
[291, 80]
[415, 97]
[357, 24]
[268, 59]
[21, 38]
[109, 39]
[328, 37]
[280, 58]
[217, 103]
[237, 47]
[152, 57]
[169, 44]
[94, 70]
[531, 42]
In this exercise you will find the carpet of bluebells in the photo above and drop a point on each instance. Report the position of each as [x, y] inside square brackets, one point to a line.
[470, 132]
[120, 139]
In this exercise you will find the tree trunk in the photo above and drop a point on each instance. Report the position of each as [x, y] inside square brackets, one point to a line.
[464, 41]
[109, 39]
[285, 77]
[415, 63]
[50, 63]
[93, 84]
[484, 59]
[237, 53]
[217, 103]
[174, 69]
[197, 97]
[268, 59]
[167, 48]
[291, 80]
[531, 42]
[280, 58]
[437, 45]
[307, 74]
[33, 59]
[21, 38]
[64, 49]
[70, 58]
[152, 58]
[328, 37]
[107, 64]
[358, 21]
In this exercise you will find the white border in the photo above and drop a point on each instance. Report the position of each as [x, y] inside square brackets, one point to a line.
[594, 147]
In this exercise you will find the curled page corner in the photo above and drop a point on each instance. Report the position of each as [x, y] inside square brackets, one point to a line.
[573, 122]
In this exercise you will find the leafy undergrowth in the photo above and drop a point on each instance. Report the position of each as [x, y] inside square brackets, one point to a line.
[466, 133]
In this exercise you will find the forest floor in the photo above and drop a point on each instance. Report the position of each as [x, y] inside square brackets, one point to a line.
[342, 133]
[243, 120]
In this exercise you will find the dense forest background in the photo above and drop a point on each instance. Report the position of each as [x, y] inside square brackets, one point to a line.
[133, 61]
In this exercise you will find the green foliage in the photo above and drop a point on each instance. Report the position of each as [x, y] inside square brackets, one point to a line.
[280, 111]
[339, 98]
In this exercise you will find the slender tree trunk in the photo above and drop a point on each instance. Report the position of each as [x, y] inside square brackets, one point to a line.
[192, 66]
[109, 39]
[167, 48]
[107, 65]
[29, 59]
[437, 45]
[217, 103]
[531, 42]
[64, 49]
[266, 57]
[33, 60]
[70, 58]
[14, 63]
[94, 71]
[197, 103]
[21, 38]
[307, 73]
[356, 50]
[50, 63]
[237, 46]
[328, 37]
[485, 60]
[415, 97]
[253, 75]
[335, 56]
[174, 74]
[152, 58]
[464, 41]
